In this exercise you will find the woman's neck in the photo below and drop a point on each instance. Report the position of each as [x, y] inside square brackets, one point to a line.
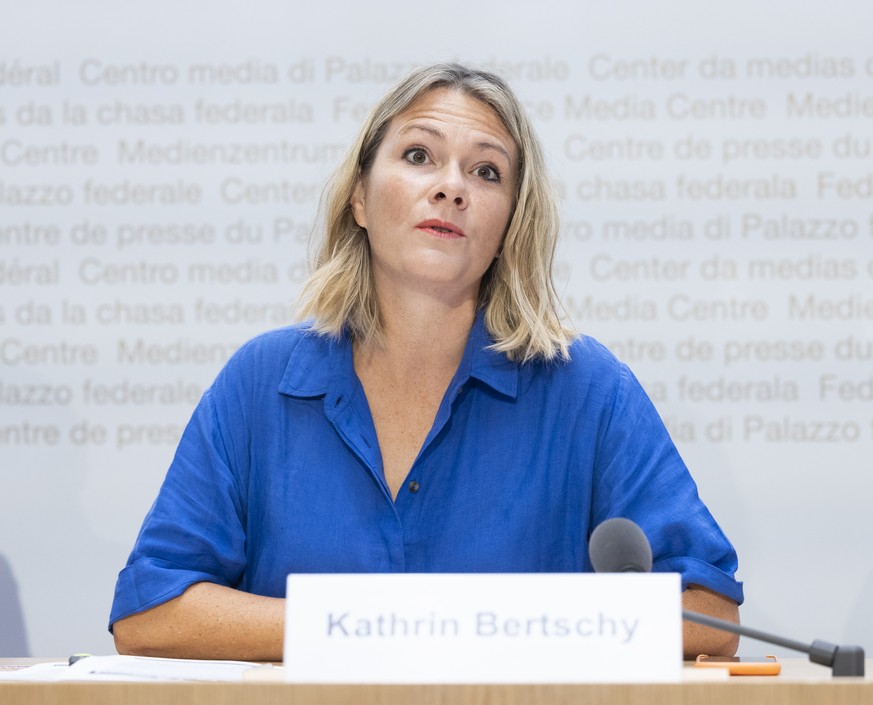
[422, 336]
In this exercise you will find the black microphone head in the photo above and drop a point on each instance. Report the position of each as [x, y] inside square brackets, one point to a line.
[619, 546]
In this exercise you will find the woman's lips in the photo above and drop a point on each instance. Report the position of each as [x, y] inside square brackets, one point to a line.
[440, 228]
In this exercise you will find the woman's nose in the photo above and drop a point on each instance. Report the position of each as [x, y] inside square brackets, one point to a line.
[451, 186]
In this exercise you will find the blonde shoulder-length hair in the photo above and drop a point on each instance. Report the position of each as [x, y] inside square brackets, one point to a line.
[517, 292]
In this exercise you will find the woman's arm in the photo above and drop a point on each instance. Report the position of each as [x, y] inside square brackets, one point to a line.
[207, 621]
[210, 621]
[698, 639]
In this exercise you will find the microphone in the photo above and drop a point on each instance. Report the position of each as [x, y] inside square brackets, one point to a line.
[618, 545]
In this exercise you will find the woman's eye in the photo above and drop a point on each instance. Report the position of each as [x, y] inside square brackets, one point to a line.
[416, 155]
[488, 172]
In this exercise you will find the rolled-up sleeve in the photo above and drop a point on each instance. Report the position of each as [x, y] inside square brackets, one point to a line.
[194, 531]
[641, 476]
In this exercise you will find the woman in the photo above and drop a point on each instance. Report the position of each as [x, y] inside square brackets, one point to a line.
[434, 417]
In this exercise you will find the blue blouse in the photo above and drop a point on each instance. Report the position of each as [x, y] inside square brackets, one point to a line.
[279, 472]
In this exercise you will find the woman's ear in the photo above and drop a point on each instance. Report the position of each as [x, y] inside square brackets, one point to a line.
[357, 204]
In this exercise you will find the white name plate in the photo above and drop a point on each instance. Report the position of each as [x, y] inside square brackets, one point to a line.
[483, 628]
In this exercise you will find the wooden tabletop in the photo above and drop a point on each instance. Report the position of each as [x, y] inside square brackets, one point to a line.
[799, 682]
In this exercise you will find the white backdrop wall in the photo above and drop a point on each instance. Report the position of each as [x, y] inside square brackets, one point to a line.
[160, 166]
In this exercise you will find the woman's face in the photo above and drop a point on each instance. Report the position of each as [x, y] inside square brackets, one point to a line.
[439, 195]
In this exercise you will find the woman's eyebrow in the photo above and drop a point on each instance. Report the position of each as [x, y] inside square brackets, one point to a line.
[425, 128]
[441, 136]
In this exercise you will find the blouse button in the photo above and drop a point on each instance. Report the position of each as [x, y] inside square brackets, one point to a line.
[413, 487]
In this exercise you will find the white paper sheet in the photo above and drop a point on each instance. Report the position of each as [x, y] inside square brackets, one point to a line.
[134, 668]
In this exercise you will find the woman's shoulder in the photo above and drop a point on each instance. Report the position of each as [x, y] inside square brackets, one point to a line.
[594, 381]
[268, 353]
[279, 339]
[590, 373]
[589, 365]
[591, 348]
[589, 357]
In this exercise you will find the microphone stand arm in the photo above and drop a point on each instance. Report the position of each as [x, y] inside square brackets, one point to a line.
[842, 660]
